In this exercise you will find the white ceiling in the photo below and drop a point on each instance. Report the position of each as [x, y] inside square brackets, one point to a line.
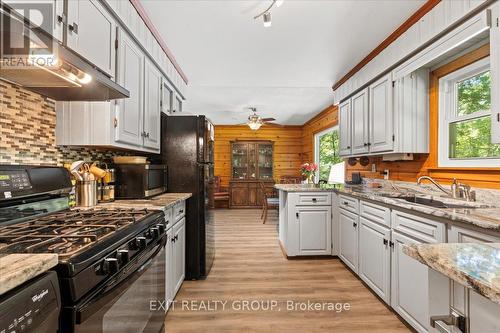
[287, 70]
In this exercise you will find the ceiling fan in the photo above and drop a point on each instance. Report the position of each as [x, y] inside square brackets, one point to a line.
[255, 121]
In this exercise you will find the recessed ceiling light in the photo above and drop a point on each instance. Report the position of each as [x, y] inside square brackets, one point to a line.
[279, 3]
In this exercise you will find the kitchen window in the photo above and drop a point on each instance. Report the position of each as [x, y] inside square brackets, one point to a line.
[465, 118]
[326, 151]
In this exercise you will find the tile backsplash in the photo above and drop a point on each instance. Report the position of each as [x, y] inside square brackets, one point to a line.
[28, 131]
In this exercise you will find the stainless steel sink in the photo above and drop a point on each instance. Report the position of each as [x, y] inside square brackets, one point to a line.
[431, 202]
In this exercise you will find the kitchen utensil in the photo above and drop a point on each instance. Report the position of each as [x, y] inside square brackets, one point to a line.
[86, 193]
[77, 175]
[75, 166]
[110, 176]
[96, 171]
[130, 160]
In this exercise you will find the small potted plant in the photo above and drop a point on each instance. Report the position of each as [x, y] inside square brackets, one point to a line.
[309, 171]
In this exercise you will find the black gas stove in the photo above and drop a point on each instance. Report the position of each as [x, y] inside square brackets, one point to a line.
[102, 252]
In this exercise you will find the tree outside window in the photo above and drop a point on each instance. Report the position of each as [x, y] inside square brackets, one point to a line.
[327, 151]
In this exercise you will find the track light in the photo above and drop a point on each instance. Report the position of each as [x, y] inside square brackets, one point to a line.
[267, 19]
[266, 14]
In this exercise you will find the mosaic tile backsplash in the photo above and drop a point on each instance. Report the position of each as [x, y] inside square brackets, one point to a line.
[28, 131]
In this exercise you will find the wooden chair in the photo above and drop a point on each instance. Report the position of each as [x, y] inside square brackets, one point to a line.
[221, 194]
[269, 200]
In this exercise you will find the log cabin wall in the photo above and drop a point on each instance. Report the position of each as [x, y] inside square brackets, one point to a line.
[287, 148]
[327, 118]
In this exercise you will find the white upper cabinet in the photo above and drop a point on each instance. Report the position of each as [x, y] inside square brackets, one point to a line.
[130, 111]
[167, 97]
[152, 106]
[91, 32]
[359, 111]
[345, 128]
[381, 116]
[411, 113]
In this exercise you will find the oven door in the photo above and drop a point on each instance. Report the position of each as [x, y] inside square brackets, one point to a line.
[134, 305]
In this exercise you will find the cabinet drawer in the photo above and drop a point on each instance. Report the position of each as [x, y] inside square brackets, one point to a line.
[179, 210]
[424, 229]
[315, 198]
[348, 203]
[375, 213]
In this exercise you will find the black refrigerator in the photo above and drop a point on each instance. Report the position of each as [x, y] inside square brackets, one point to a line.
[187, 144]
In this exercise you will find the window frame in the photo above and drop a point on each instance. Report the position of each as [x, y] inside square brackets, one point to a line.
[317, 137]
[447, 114]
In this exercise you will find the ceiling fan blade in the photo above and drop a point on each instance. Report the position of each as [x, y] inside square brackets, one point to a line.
[268, 119]
[272, 124]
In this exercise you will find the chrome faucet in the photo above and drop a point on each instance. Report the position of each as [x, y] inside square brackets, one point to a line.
[419, 181]
[458, 190]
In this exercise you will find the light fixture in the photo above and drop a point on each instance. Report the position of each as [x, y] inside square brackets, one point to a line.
[254, 125]
[267, 19]
[266, 14]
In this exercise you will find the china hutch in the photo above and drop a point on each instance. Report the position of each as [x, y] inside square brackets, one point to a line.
[251, 164]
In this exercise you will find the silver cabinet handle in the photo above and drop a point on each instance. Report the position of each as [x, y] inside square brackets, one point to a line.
[453, 319]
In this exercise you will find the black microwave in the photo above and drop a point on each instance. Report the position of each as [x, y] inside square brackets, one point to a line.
[137, 181]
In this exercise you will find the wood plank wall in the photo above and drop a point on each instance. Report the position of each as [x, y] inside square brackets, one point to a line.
[327, 118]
[287, 148]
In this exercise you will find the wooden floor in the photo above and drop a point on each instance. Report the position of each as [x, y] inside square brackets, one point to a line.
[249, 266]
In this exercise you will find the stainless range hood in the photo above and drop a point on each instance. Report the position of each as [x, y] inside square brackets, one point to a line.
[30, 57]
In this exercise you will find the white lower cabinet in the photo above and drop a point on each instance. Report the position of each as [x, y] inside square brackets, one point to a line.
[179, 253]
[314, 229]
[375, 257]
[169, 272]
[409, 285]
[175, 257]
[348, 242]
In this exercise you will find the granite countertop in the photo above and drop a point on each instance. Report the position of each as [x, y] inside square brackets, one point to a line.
[476, 266]
[159, 202]
[479, 214]
[15, 269]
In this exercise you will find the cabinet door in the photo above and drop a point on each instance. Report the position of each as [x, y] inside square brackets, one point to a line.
[463, 235]
[239, 194]
[130, 111]
[359, 111]
[375, 257]
[92, 33]
[167, 99]
[314, 230]
[345, 128]
[169, 273]
[179, 253]
[152, 105]
[409, 285]
[381, 116]
[348, 242]
[483, 314]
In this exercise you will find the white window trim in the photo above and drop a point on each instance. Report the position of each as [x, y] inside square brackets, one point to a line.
[316, 146]
[447, 115]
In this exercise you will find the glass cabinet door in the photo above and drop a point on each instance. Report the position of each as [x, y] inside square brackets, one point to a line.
[252, 162]
[240, 161]
[265, 153]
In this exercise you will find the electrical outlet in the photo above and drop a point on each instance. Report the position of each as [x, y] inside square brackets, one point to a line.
[386, 174]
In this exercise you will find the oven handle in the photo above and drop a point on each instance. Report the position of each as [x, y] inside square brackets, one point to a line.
[105, 294]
